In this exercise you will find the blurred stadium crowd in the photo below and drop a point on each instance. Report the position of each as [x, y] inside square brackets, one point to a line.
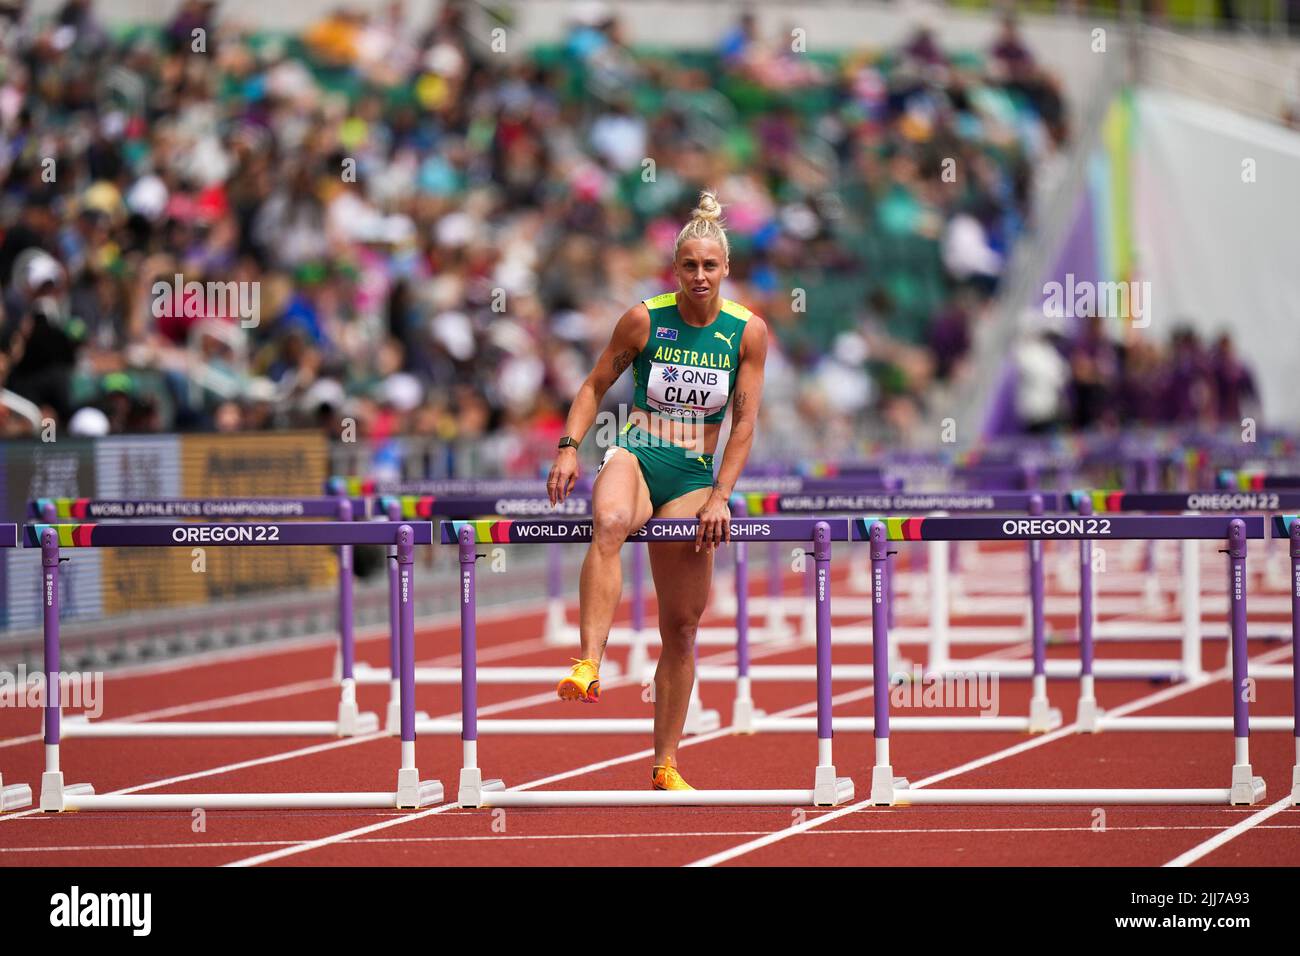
[442, 237]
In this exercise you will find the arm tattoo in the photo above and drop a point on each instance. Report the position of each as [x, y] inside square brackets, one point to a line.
[738, 406]
[622, 360]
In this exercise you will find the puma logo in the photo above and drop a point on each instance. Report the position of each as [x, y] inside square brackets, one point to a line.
[725, 338]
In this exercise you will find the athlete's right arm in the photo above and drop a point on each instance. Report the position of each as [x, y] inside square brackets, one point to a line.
[629, 338]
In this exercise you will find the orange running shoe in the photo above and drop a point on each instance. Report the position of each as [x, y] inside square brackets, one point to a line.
[665, 777]
[583, 683]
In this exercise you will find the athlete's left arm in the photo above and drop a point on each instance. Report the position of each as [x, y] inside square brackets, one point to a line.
[744, 415]
[744, 405]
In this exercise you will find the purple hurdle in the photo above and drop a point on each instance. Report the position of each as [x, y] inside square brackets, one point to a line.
[474, 791]
[410, 791]
[1244, 788]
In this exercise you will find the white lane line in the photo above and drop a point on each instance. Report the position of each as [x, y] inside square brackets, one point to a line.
[624, 835]
[1067, 730]
[1225, 836]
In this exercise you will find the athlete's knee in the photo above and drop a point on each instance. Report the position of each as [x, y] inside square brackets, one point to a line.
[610, 527]
[679, 635]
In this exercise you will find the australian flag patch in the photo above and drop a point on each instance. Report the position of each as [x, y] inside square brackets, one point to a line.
[663, 333]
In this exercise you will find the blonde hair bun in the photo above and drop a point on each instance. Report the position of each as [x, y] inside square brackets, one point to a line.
[706, 223]
[709, 208]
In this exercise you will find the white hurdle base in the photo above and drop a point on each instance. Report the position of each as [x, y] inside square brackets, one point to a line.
[366, 674]
[710, 720]
[15, 796]
[819, 796]
[1063, 667]
[1174, 724]
[710, 636]
[890, 791]
[366, 723]
[1122, 630]
[1059, 605]
[957, 634]
[796, 673]
[761, 723]
[56, 798]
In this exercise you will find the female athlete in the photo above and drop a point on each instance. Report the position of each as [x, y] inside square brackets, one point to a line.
[692, 353]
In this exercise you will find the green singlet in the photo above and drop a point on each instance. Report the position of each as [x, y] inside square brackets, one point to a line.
[684, 373]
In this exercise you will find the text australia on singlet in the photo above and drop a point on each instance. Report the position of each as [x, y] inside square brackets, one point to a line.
[687, 383]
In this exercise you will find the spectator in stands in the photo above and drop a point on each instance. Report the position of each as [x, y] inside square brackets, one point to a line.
[1233, 384]
[399, 198]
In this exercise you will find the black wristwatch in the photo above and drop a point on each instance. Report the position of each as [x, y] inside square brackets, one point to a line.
[567, 442]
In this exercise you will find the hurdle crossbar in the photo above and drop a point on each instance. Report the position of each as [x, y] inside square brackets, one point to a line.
[56, 796]
[827, 789]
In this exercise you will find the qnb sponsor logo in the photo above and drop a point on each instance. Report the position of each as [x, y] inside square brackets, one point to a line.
[953, 690]
[130, 910]
[197, 300]
[82, 690]
[1075, 299]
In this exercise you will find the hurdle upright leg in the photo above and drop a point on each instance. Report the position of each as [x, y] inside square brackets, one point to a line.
[1191, 598]
[883, 782]
[349, 715]
[472, 784]
[1087, 712]
[53, 791]
[1294, 538]
[1042, 716]
[412, 792]
[828, 789]
[742, 709]
[1246, 787]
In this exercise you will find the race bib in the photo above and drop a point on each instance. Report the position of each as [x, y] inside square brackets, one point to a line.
[686, 391]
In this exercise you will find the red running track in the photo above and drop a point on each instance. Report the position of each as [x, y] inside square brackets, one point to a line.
[292, 682]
